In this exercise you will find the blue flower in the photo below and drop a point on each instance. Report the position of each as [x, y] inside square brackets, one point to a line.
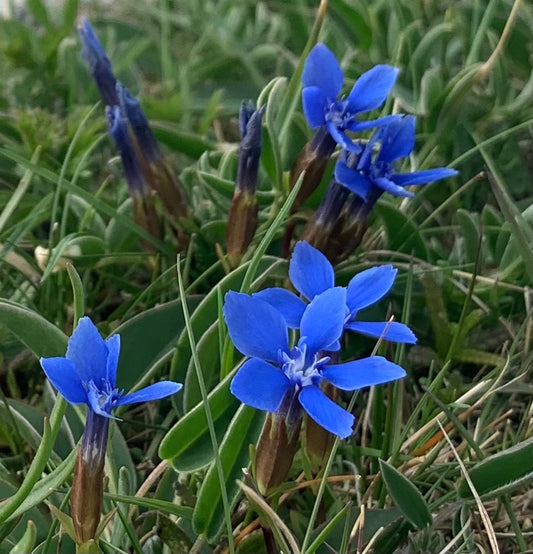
[311, 274]
[322, 80]
[87, 373]
[377, 173]
[98, 62]
[284, 380]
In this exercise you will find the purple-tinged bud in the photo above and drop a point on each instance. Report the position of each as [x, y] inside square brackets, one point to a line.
[98, 62]
[313, 159]
[242, 219]
[250, 121]
[139, 125]
[326, 218]
[87, 485]
[144, 212]
[157, 173]
[118, 129]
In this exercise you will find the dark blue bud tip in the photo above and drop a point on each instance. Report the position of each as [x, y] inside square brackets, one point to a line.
[245, 113]
[92, 49]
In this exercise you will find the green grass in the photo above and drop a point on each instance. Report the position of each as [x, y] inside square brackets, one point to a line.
[463, 248]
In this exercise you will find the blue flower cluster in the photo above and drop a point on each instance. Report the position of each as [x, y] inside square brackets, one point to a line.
[284, 379]
[357, 169]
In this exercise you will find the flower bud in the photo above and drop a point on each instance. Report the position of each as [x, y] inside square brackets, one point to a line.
[98, 62]
[313, 159]
[242, 219]
[157, 173]
[144, 212]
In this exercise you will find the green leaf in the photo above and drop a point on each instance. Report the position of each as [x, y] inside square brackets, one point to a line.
[38, 334]
[346, 16]
[406, 496]
[148, 337]
[501, 473]
[471, 235]
[188, 445]
[182, 141]
[208, 515]
[27, 542]
[46, 486]
[402, 233]
[521, 229]
[208, 354]
[153, 504]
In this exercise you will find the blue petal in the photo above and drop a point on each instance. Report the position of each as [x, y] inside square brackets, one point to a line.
[398, 139]
[260, 385]
[63, 375]
[88, 351]
[113, 352]
[367, 372]
[423, 177]
[372, 124]
[93, 400]
[352, 180]
[396, 332]
[256, 328]
[287, 303]
[391, 187]
[341, 138]
[310, 271]
[325, 412]
[159, 390]
[322, 70]
[369, 286]
[323, 320]
[371, 89]
[314, 104]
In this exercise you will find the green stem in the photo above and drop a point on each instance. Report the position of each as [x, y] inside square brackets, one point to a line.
[208, 415]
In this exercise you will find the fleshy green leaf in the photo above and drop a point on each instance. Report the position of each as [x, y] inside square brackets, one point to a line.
[38, 334]
[188, 444]
[406, 496]
[502, 472]
[208, 516]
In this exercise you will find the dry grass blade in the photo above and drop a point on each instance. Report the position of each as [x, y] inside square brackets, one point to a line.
[482, 510]
[278, 527]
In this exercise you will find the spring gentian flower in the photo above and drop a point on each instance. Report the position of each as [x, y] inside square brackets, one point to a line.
[369, 176]
[98, 62]
[286, 380]
[87, 375]
[311, 274]
[323, 79]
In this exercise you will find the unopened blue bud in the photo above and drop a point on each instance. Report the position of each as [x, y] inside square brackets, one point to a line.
[99, 63]
[118, 129]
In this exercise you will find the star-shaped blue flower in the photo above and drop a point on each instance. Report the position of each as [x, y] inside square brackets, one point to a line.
[322, 81]
[87, 373]
[368, 172]
[311, 274]
[284, 380]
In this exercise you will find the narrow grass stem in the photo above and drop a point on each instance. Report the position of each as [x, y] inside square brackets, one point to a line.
[208, 415]
[323, 483]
